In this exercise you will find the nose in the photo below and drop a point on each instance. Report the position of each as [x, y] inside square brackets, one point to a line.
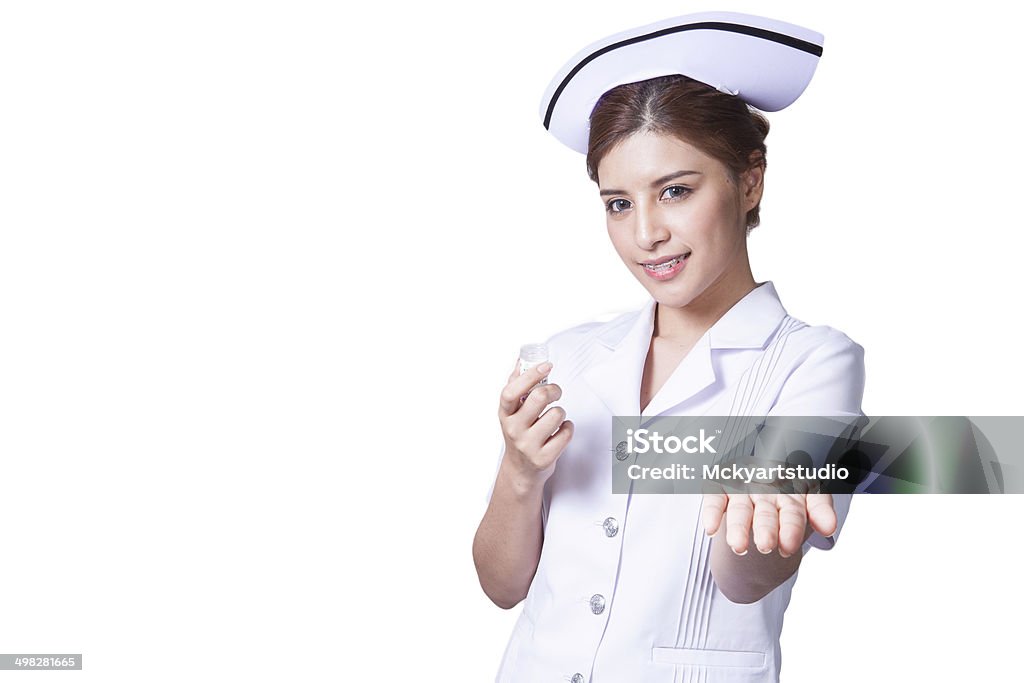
[648, 230]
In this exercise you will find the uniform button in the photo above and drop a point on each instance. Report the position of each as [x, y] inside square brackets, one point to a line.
[597, 603]
[611, 526]
[578, 678]
[620, 451]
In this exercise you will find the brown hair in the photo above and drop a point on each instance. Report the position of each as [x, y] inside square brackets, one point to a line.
[722, 126]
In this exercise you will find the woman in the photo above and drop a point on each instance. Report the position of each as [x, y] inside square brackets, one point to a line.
[621, 587]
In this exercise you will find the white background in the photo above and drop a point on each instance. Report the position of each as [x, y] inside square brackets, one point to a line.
[265, 266]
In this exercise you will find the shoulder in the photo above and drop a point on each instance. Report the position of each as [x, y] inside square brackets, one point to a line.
[812, 342]
[823, 368]
[572, 346]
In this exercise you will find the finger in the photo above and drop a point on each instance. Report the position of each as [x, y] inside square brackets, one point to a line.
[738, 517]
[519, 387]
[554, 446]
[529, 377]
[544, 428]
[792, 525]
[821, 513]
[766, 522]
[530, 409]
[712, 509]
[517, 425]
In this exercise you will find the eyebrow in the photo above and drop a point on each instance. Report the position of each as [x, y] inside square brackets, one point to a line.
[659, 181]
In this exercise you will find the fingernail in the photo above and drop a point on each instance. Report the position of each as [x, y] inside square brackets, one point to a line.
[544, 367]
[763, 551]
[740, 554]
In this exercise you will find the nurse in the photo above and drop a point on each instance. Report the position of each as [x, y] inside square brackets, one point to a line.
[664, 588]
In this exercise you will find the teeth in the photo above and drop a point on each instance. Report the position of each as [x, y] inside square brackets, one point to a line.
[664, 266]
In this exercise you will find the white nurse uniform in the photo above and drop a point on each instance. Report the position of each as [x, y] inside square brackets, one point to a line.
[623, 592]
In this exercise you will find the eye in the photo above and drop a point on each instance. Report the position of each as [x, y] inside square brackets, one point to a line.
[676, 192]
[616, 206]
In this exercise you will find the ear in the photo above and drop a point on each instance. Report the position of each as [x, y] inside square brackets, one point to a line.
[752, 181]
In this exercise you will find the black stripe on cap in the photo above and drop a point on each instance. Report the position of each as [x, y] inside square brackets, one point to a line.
[773, 36]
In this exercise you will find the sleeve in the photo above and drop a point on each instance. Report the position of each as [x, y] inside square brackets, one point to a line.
[829, 382]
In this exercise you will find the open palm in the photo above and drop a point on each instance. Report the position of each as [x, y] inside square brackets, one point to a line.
[778, 520]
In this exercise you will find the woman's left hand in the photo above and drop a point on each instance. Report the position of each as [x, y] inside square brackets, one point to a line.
[778, 520]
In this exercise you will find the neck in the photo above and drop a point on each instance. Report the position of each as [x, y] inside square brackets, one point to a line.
[688, 323]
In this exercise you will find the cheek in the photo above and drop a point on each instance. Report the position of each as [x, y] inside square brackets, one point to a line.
[619, 239]
[714, 223]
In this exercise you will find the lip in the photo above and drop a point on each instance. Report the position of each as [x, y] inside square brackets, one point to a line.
[667, 273]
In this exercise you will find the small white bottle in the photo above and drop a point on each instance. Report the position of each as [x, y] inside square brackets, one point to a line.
[532, 355]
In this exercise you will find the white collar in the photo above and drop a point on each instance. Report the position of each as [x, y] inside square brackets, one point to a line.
[616, 378]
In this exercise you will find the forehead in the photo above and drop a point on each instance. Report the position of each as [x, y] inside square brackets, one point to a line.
[645, 156]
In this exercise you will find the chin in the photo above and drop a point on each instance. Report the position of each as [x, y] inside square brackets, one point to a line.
[673, 297]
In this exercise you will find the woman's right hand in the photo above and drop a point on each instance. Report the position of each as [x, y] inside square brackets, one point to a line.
[533, 442]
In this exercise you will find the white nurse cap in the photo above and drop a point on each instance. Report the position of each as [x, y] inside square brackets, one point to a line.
[767, 63]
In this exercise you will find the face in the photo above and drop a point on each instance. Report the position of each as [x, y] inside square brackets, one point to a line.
[675, 209]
